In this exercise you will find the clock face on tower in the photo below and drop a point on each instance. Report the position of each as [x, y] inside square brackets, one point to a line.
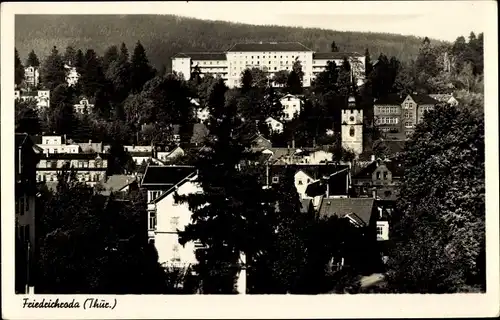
[351, 119]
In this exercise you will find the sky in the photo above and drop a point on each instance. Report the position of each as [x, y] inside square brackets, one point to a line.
[443, 20]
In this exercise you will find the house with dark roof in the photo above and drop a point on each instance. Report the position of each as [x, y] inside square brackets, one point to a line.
[379, 179]
[166, 215]
[396, 115]
[268, 56]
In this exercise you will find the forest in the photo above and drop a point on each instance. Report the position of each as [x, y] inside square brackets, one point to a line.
[165, 35]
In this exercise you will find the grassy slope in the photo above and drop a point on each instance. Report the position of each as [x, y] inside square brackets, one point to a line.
[165, 35]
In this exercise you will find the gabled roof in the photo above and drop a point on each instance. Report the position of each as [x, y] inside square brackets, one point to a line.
[395, 167]
[174, 187]
[335, 55]
[341, 207]
[202, 55]
[423, 99]
[116, 183]
[165, 176]
[391, 99]
[269, 47]
[336, 182]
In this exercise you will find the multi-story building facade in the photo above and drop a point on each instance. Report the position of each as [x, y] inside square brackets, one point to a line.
[270, 57]
[397, 115]
[89, 167]
[40, 97]
[31, 76]
[26, 159]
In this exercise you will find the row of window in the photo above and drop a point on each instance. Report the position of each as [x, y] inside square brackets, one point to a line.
[387, 109]
[387, 120]
[382, 175]
[52, 177]
[77, 164]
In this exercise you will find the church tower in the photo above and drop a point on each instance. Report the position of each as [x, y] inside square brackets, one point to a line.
[352, 126]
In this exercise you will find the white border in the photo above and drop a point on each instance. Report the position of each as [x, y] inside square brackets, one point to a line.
[321, 306]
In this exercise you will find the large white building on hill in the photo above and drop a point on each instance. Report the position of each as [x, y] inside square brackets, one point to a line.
[270, 57]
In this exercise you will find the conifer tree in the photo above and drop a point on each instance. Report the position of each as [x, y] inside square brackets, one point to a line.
[92, 77]
[70, 55]
[344, 82]
[19, 69]
[32, 60]
[334, 47]
[295, 78]
[110, 56]
[53, 72]
[232, 200]
[79, 61]
[140, 71]
[118, 73]
[368, 63]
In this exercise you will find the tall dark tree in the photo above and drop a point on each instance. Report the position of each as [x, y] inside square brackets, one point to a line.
[426, 60]
[326, 81]
[344, 81]
[439, 238]
[19, 69]
[295, 79]
[334, 47]
[110, 55]
[118, 74]
[280, 78]
[226, 192]
[63, 120]
[70, 55]
[79, 63]
[140, 69]
[92, 77]
[368, 63]
[32, 60]
[53, 72]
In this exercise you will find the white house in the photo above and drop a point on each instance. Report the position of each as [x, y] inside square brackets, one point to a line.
[55, 144]
[72, 76]
[291, 106]
[275, 125]
[166, 216]
[83, 105]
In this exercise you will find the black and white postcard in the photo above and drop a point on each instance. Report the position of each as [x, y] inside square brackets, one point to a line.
[286, 159]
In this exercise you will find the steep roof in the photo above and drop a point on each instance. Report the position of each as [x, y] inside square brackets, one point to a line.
[269, 47]
[340, 207]
[116, 183]
[391, 99]
[166, 176]
[395, 167]
[423, 99]
[334, 55]
[337, 183]
[202, 55]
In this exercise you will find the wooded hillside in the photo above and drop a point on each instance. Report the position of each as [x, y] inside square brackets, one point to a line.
[165, 35]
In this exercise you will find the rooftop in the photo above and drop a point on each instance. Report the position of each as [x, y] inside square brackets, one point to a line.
[340, 207]
[166, 176]
[269, 47]
[395, 167]
[334, 55]
[202, 55]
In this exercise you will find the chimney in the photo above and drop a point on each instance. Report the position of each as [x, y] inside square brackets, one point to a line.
[293, 143]
[328, 188]
[374, 193]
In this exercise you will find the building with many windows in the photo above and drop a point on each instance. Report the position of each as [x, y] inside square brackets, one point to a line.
[270, 57]
[397, 115]
[89, 167]
[40, 97]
